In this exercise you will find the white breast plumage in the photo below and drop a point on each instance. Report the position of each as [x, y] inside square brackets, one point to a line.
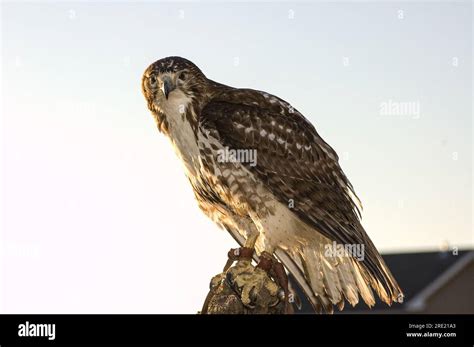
[181, 133]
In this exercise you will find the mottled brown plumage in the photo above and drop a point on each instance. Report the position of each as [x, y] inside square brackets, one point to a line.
[295, 196]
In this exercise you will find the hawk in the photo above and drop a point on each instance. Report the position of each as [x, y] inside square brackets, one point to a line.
[260, 170]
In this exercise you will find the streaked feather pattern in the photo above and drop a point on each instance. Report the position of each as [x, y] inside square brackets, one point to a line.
[294, 163]
[296, 195]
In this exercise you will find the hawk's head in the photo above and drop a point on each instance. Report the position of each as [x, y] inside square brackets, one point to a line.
[171, 84]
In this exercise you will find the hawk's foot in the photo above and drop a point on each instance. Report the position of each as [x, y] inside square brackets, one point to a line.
[256, 289]
[275, 270]
[238, 254]
[243, 288]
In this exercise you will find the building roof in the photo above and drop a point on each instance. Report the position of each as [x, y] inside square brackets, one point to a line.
[418, 274]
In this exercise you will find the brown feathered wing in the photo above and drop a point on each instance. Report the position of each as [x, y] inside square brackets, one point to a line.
[295, 163]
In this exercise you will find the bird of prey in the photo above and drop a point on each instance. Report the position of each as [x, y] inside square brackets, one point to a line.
[290, 201]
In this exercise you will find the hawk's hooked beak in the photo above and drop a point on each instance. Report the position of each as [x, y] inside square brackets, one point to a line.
[168, 86]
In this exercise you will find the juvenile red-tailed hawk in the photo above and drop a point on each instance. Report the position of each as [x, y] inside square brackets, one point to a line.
[260, 170]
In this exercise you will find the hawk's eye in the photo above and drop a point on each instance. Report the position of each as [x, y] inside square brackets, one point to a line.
[182, 76]
[152, 80]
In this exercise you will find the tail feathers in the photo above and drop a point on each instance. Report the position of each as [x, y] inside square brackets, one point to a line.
[330, 280]
[294, 265]
[350, 287]
[385, 284]
[363, 284]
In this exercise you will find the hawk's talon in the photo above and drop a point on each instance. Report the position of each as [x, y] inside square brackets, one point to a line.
[276, 270]
[229, 278]
[241, 253]
[266, 262]
[281, 294]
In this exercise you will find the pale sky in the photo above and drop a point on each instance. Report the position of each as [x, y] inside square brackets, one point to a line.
[97, 215]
